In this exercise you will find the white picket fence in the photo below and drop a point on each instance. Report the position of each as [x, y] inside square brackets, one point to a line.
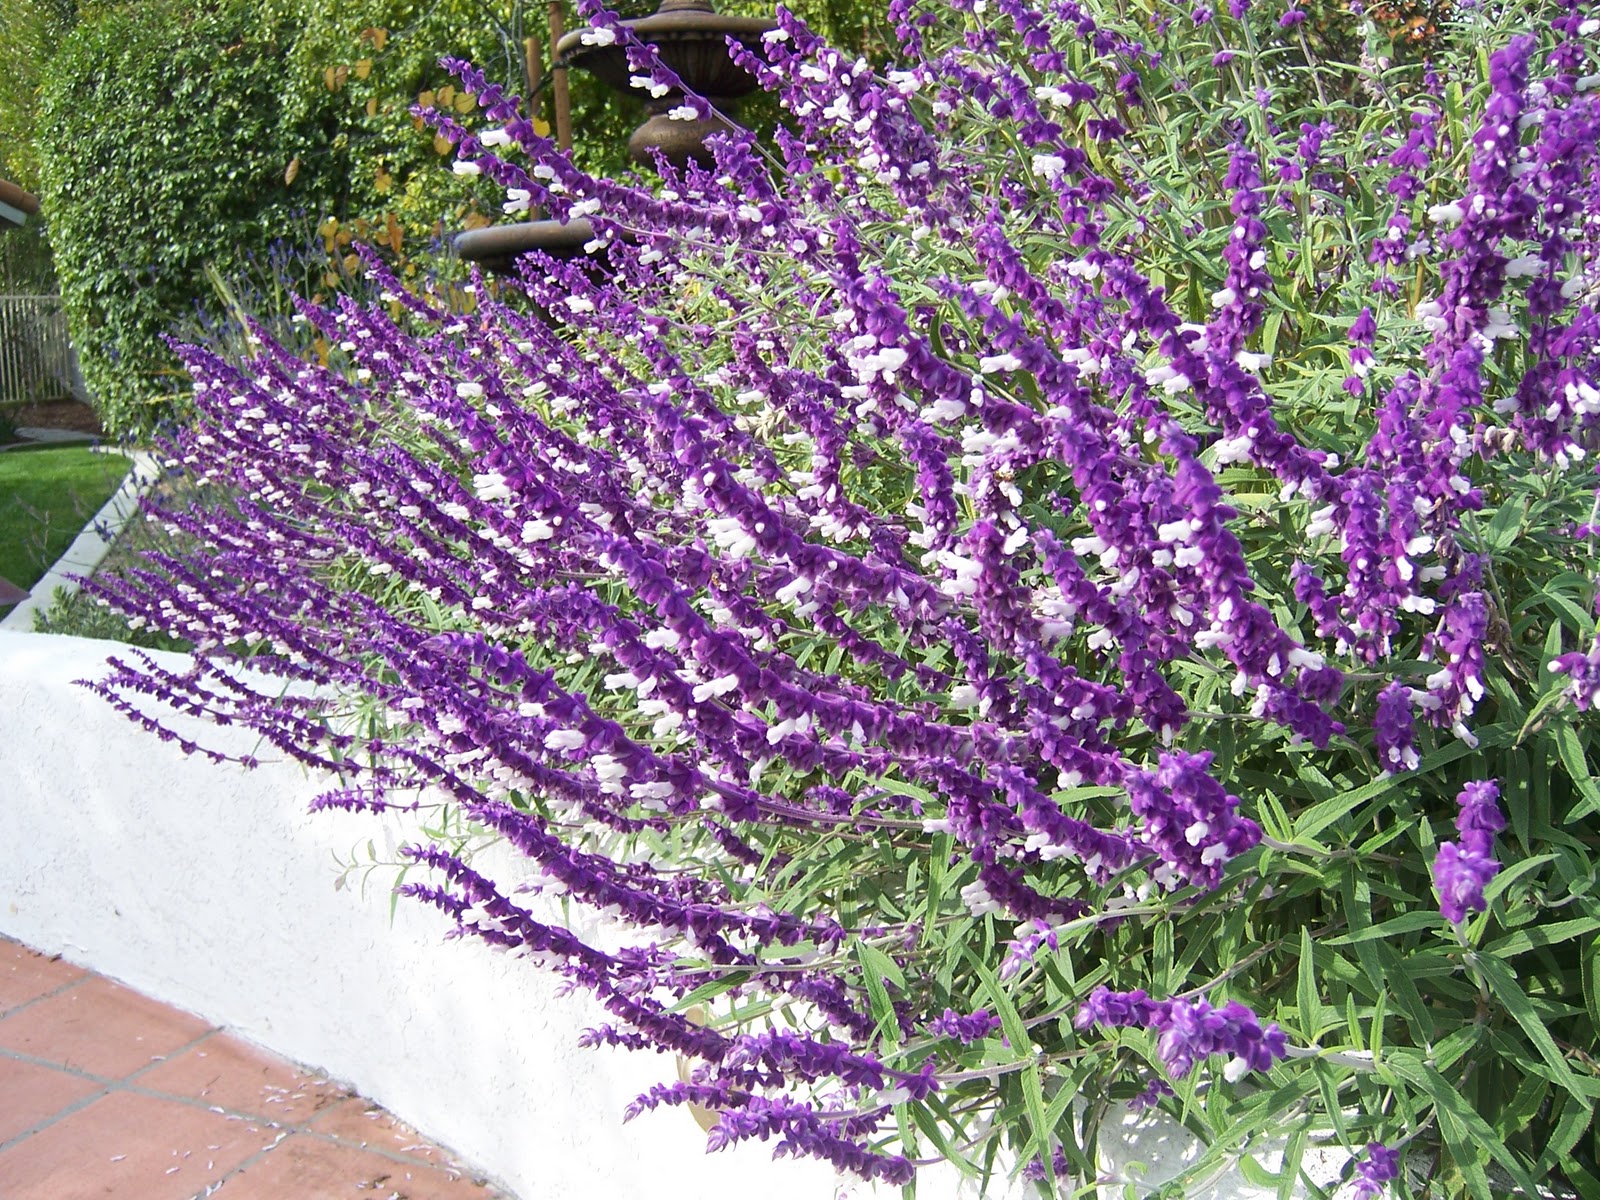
[37, 362]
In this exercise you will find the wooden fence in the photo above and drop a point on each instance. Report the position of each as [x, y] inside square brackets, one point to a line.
[36, 359]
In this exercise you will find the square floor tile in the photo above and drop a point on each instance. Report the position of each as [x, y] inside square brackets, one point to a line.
[130, 1147]
[26, 975]
[100, 1028]
[230, 1073]
[31, 1095]
[311, 1168]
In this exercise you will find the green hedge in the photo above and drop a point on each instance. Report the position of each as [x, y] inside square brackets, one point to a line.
[171, 140]
[163, 139]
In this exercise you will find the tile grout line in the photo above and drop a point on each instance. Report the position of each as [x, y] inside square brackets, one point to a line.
[76, 1106]
[58, 990]
[106, 1085]
[109, 1086]
[449, 1169]
[448, 1166]
[157, 1059]
[284, 1130]
[34, 1060]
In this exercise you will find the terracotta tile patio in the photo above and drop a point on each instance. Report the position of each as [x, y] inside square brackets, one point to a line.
[107, 1094]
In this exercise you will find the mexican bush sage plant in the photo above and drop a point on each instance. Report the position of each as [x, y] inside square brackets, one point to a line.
[1067, 580]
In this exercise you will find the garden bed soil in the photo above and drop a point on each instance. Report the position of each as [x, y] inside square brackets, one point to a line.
[58, 414]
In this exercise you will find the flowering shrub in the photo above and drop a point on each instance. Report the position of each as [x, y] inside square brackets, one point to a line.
[998, 599]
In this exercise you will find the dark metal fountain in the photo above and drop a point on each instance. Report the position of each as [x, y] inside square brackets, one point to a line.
[692, 39]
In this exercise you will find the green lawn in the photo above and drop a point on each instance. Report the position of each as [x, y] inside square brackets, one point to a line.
[46, 498]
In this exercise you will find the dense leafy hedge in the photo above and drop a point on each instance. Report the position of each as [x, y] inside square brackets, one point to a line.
[163, 139]
[29, 32]
[171, 140]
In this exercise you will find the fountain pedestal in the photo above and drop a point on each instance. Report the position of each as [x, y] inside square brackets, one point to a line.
[692, 39]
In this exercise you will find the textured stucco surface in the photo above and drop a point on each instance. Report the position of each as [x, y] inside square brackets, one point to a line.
[214, 889]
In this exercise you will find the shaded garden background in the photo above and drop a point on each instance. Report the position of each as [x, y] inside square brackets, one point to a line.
[196, 159]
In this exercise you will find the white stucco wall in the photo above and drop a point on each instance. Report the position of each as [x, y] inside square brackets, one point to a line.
[213, 889]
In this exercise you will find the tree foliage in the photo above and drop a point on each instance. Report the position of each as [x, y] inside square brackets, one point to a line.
[167, 140]
[162, 138]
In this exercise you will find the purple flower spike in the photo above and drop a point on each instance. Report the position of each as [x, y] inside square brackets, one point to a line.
[1373, 1176]
[884, 489]
[1190, 820]
[1583, 672]
[1393, 732]
[1460, 872]
[1190, 1030]
[965, 1029]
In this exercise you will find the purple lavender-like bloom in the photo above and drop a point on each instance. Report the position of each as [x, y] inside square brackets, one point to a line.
[1189, 1030]
[1117, 1009]
[1583, 672]
[1193, 1029]
[1373, 1176]
[1152, 1094]
[965, 1029]
[1034, 1172]
[1460, 872]
[1189, 819]
[1363, 333]
[1021, 950]
[1393, 734]
[914, 520]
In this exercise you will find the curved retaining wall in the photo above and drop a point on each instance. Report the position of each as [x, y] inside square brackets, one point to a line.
[214, 889]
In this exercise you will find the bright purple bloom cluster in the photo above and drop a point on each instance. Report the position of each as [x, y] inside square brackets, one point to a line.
[1461, 871]
[1583, 672]
[868, 544]
[1189, 1030]
[965, 1029]
[1189, 819]
[1373, 1176]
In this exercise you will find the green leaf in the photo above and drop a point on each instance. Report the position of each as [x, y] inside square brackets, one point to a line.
[1583, 1182]
[1501, 532]
[1011, 1022]
[1318, 817]
[1465, 1132]
[1553, 696]
[1572, 757]
[1504, 879]
[938, 867]
[1506, 989]
[710, 991]
[1575, 1120]
[1590, 974]
[875, 967]
[1310, 1007]
[1405, 923]
[1524, 940]
[1022, 1046]
[922, 1115]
